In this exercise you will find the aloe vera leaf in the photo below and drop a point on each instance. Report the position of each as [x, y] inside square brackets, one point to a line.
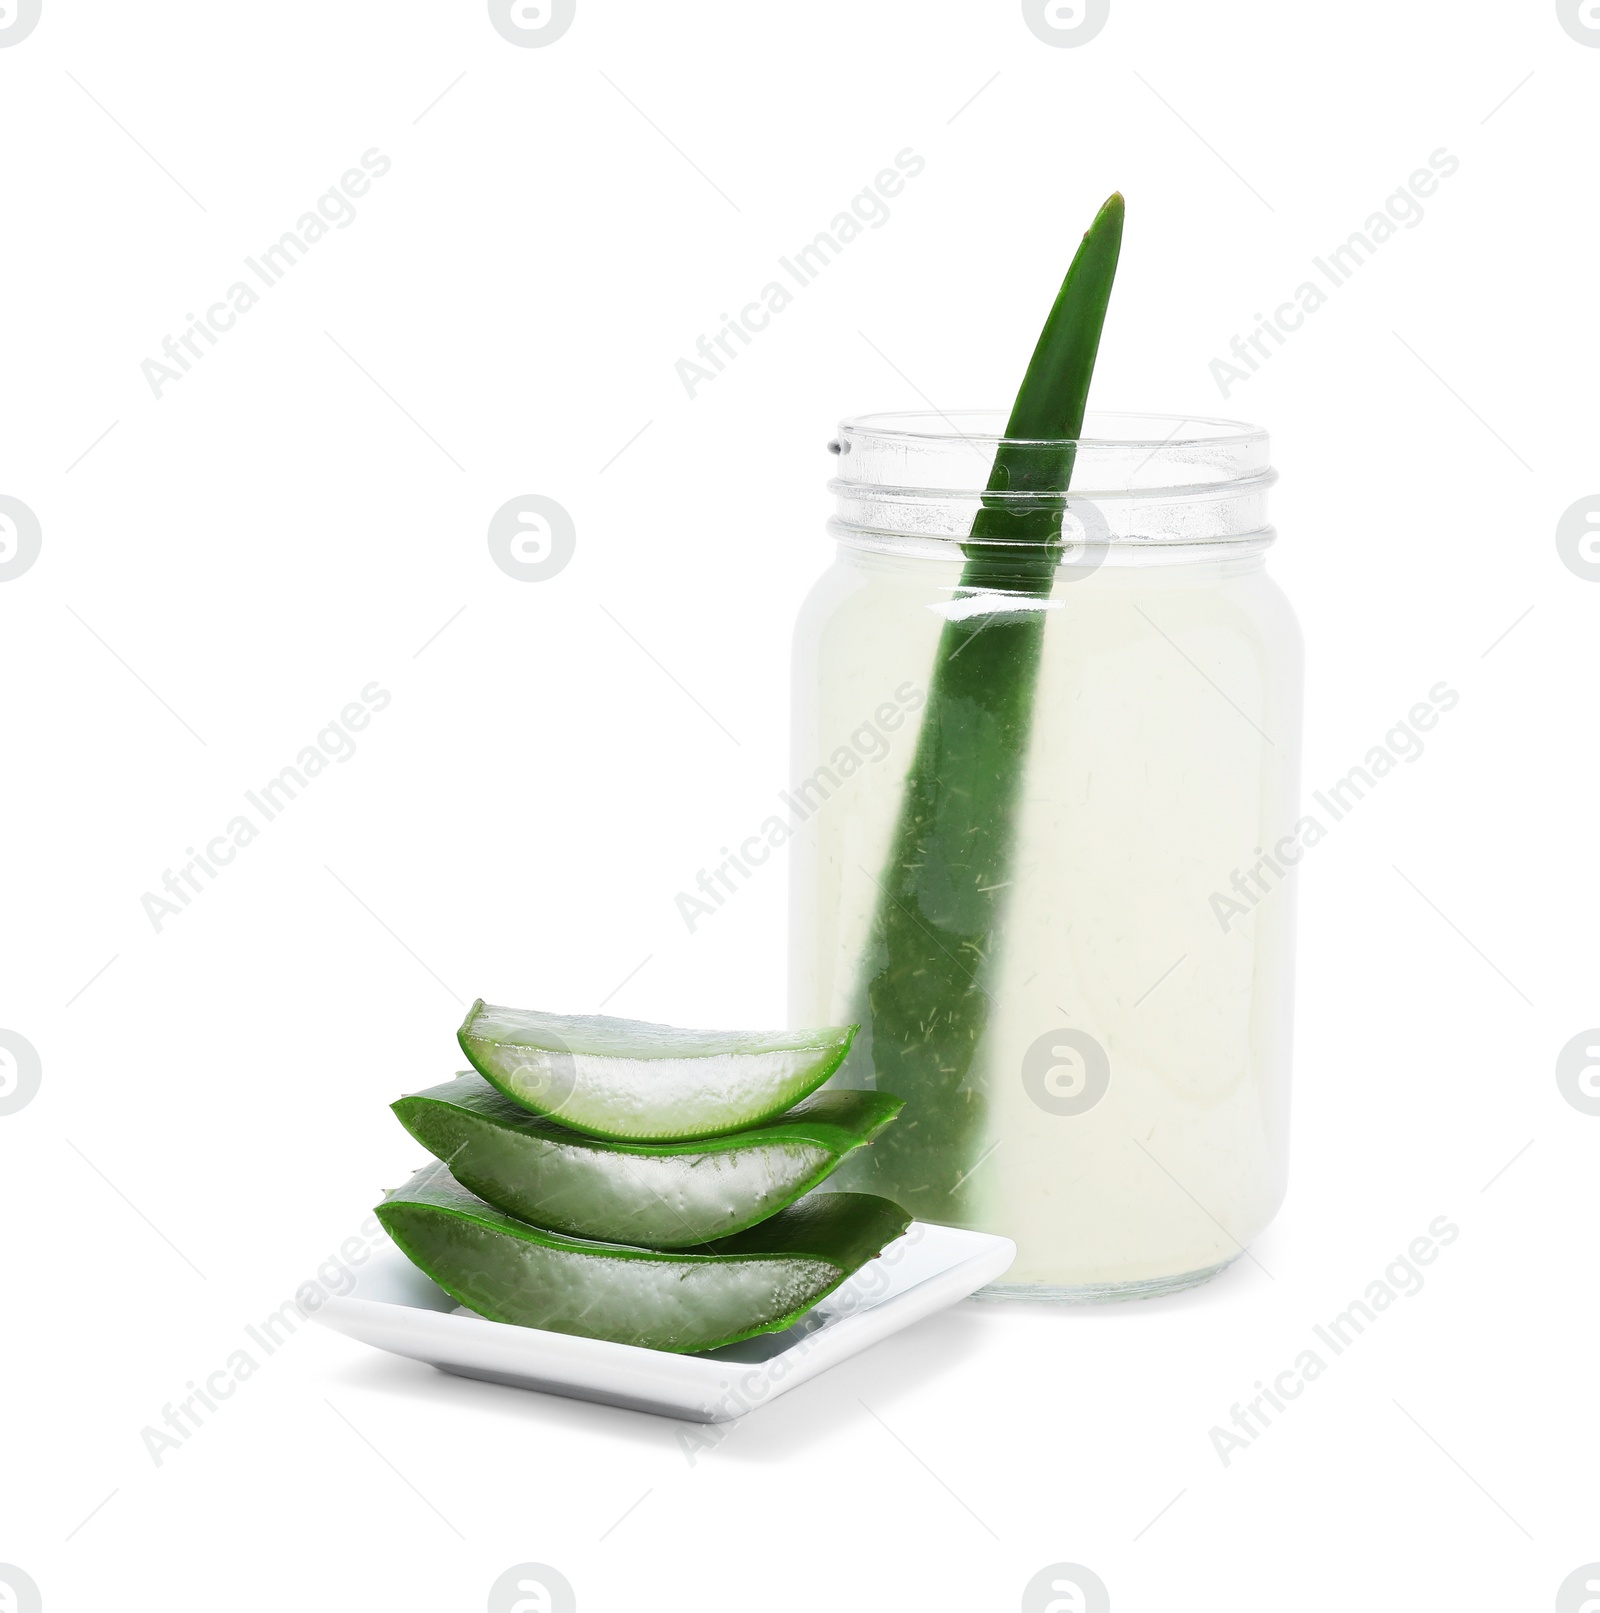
[630, 1081]
[759, 1281]
[660, 1195]
[942, 890]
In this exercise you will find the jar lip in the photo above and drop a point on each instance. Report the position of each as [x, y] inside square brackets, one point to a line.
[1138, 480]
[907, 424]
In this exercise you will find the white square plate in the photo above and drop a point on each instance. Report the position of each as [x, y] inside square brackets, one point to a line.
[396, 1307]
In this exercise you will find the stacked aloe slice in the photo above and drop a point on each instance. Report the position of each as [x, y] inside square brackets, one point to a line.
[640, 1183]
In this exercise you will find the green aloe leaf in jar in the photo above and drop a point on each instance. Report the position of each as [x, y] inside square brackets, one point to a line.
[941, 891]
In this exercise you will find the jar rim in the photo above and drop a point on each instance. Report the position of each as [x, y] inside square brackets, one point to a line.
[904, 424]
[1183, 484]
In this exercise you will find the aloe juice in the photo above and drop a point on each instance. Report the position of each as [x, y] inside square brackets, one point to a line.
[1144, 911]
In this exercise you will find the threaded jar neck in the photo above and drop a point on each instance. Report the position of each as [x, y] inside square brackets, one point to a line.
[1145, 488]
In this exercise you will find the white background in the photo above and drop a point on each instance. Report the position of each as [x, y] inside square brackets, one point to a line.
[225, 568]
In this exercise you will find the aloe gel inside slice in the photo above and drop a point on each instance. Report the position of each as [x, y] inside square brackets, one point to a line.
[760, 1281]
[632, 1081]
[662, 1195]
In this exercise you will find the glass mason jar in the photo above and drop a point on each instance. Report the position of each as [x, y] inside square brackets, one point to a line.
[1046, 788]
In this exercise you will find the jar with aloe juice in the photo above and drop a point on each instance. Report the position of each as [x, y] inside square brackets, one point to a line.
[1103, 1075]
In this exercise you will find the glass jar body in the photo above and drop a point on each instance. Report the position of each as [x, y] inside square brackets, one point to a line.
[1130, 1079]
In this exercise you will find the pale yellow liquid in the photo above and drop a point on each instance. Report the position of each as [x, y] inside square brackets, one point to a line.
[1164, 752]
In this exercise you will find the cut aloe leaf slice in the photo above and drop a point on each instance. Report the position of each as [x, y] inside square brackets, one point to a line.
[630, 1081]
[758, 1281]
[661, 1195]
